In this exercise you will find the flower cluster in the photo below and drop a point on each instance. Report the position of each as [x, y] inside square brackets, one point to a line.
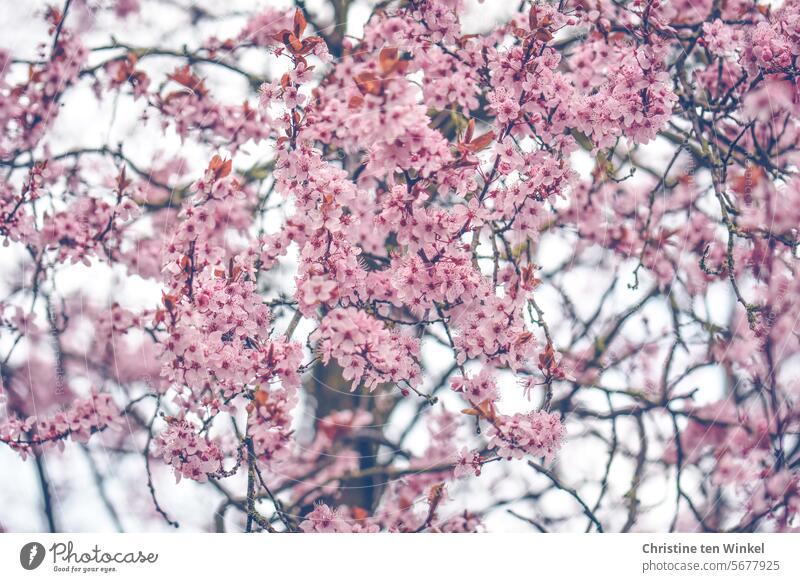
[191, 109]
[367, 351]
[467, 463]
[538, 434]
[190, 455]
[81, 420]
[477, 389]
[493, 330]
[340, 520]
[288, 240]
[30, 109]
[215, 333]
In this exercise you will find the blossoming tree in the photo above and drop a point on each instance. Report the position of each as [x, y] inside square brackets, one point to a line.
[386, 266]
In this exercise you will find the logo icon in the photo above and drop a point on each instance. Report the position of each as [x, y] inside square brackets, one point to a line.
[31, 555]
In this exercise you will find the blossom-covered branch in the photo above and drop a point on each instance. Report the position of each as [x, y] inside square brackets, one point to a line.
[422, 275]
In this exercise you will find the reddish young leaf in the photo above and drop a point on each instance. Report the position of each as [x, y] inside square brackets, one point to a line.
[387, 59]
[482, 142]
[470, 131]
[299, 23]
[220, 167]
